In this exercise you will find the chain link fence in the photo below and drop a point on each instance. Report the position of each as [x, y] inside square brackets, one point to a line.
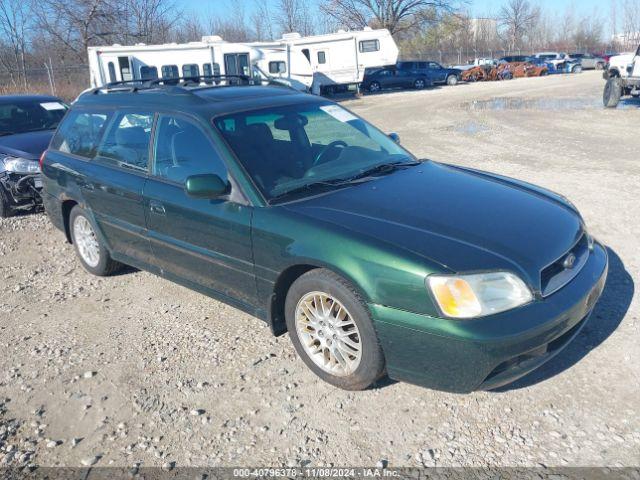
[65, 81]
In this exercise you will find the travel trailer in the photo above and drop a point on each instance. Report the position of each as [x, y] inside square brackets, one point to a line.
[339, 60]
[211, 56]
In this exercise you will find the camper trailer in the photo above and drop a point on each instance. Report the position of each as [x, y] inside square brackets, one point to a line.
[339, 60]
[210, 56]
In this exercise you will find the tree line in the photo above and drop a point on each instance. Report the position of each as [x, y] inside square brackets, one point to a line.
[50, 34]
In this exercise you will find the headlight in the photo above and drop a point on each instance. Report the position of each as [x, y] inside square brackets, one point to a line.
[478, 294]
[21, 165]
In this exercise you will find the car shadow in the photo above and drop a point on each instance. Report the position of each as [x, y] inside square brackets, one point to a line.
[607, 315]
[633, 102]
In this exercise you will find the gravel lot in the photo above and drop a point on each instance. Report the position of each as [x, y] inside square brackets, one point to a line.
[135, 370]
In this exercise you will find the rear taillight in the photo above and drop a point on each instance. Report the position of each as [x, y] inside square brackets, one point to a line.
[42, 159]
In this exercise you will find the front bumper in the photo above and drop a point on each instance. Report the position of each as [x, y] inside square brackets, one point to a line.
[485, 353]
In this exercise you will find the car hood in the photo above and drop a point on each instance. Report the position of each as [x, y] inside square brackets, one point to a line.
[29, 145]
[621, 60]
[461, 219]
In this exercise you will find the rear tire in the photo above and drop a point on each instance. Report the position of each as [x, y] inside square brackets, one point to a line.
[452, 80]
[419, 83]
[5, 207]
[93, 255]
[323, 351]
[612, 93]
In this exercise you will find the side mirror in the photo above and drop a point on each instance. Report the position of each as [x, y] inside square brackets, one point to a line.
[395, 137]
[206, 186]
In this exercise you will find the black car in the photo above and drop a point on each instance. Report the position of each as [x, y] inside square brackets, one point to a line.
[27, 123]
[435, 72]
[390, 77]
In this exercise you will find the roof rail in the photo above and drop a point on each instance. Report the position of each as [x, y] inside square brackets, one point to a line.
[180, 84]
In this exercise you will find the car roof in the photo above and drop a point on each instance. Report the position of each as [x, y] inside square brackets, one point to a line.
[18, 98]
[209, 100]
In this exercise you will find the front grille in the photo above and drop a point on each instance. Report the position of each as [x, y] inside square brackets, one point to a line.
[557, 275]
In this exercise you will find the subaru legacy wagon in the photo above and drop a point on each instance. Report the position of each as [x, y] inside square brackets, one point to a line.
[299, 212]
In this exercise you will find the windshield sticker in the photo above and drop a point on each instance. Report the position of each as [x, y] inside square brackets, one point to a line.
[52, 106]
[338, 113]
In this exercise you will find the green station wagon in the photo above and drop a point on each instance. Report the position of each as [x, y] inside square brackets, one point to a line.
[295, 210]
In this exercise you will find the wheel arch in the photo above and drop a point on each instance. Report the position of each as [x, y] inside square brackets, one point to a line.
[66, 207]
[276, 302]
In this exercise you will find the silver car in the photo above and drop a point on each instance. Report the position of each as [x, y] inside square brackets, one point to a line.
[589, 62]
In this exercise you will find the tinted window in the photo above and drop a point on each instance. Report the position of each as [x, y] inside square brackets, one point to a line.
[80, 133]
[277, 67]
[126, 142]
[434, 65]
[30, 115]
[322, 57]
[182, 149]
[170, 71]
[369, 46]
[422, 65]
[190, 70]
[148, 73]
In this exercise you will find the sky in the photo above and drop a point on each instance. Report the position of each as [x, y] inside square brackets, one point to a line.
[477, 8]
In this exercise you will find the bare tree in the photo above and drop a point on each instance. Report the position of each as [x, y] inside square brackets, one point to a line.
[293, 16]
[518, 18]
[261, 20]
[14, 23]
[395, 15]
[150, 21]
[77, 24]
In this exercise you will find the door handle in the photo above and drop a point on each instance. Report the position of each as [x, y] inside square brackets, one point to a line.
[157, 208]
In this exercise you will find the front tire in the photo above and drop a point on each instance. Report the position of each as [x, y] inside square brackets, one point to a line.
[331, 329]
[452, 80]
[93, 255]
[374, 87]
[612, 93]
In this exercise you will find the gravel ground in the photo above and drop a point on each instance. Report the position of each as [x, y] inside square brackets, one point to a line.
[133, 370]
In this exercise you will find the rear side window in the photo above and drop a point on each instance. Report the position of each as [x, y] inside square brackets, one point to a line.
[126, 142]
[80, 133]
[369, 46]
[322, 57]
[182, 149]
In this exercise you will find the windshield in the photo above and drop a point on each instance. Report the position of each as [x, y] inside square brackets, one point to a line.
[290, 147]
[20, 116]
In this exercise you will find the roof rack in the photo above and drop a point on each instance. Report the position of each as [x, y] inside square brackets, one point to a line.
[181, 84]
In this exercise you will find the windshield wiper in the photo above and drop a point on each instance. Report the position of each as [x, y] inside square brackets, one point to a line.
[382, 168]
[309, 186]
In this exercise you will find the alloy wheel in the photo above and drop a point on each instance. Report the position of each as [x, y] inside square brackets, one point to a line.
[328, 333]
[85, 238]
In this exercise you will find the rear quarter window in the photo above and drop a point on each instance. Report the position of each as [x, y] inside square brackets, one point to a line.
[80, 133]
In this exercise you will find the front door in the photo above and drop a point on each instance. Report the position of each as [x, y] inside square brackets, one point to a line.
[201, 242]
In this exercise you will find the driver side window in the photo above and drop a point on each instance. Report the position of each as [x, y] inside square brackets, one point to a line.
[182, 149]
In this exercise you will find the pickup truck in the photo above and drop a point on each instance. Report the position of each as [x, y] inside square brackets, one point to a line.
[623, 78]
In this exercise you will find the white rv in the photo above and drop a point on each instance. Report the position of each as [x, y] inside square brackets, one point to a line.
[211, 56]
[340, 59]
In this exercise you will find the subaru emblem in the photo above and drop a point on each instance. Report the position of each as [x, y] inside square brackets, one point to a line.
[569, 261]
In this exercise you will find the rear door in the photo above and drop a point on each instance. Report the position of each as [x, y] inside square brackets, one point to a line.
[115, 181]
[202, 242]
